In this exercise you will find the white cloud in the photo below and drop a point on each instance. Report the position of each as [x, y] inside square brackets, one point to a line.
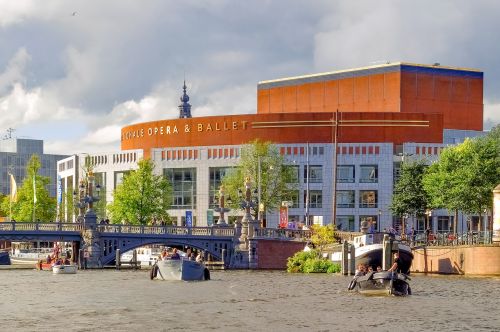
[491, 115]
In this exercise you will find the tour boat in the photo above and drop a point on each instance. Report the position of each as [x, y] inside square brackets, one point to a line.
[146, 256]
[381, 283]
[369, 251]
[179, 269]
[64, 269]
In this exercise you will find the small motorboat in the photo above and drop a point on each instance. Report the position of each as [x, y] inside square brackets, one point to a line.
[64, 269]
[179, 269]
[381, 283]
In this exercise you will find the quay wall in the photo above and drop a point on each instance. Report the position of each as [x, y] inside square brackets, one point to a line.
[468, 260]
[273, 254]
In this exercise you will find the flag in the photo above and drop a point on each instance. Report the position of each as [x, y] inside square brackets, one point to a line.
[13, 189]
[34, 190]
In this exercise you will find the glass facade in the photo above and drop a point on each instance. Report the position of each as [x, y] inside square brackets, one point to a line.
[183, 182]
[345, 223]
[315, 198]
[216, 174]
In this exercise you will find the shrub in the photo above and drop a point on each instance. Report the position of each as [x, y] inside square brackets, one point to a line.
[310, 262]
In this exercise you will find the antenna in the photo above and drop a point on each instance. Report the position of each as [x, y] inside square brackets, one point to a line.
[9, 133]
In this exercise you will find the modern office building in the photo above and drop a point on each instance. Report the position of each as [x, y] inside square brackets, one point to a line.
[15, 154]
[377, 117]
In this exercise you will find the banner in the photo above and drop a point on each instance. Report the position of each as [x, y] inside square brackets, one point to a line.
[283, 217]
[59, 189]
[210, 217]
[189, 218]
[13, 188]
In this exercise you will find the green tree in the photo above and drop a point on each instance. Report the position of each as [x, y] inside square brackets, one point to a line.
[141, 197]
[276, 178]
[44, 205]
[322, 236]
[409, 196]
[465, 175]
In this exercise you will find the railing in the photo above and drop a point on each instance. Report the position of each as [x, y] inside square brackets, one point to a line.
[171, 230]
[43, 227]
[288, 234]
[450, 239]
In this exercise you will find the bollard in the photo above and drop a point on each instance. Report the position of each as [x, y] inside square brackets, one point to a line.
[80, 259]
[345, 258]
[224, 257]
[118, 259]
[352, 262]
[387, 252]
[134, 258]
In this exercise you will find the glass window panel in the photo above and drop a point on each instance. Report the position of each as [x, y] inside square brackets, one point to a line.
[369, 173]
[367, 198]
[345, 198]
[345, 173]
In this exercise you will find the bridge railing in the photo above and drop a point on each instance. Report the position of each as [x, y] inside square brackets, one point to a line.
[276, 233]
[171, 230]
[43, 227]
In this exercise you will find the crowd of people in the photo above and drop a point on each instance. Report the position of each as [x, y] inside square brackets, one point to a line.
[174, 255]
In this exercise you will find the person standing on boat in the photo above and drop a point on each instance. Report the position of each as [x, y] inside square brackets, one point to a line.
[396, 266]
[175, 254]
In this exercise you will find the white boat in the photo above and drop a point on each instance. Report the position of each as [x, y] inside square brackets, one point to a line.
[369, 251]
[64, 269]
[179, 269]
[146, 256]
[29, 256]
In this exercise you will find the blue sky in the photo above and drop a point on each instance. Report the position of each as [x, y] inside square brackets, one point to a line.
[73, 73]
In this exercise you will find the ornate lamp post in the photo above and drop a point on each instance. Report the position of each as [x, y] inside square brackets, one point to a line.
[221, 208]
[249, 224]
[84, 200]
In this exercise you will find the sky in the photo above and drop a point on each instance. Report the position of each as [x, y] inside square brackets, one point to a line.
[73, 73]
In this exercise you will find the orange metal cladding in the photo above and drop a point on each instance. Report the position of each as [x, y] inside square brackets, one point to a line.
[421, 89]
[283, 128]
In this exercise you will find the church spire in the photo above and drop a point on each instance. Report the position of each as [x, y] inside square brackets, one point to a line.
[185, 107]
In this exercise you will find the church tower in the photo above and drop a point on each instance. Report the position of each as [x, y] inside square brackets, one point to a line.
[185, 107]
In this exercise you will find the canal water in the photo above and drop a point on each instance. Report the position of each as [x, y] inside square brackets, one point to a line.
[111, 300]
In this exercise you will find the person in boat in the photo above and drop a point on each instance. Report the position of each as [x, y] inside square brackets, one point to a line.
[175, 254]
[396, 266]
[360, 271]
[199, 258]
[370, 269]
[379, 269]
[164, 255]
[49, 259]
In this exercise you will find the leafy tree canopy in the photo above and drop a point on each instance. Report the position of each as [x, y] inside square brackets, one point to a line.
[409, 195]
[141, 197]
[277, 180]
[32, 195]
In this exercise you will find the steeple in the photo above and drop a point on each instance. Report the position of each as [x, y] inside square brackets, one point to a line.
[185, 107]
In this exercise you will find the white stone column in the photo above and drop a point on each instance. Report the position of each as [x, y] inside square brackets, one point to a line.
[496, 214]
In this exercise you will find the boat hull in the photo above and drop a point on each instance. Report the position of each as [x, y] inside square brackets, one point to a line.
[64, 269]
[382, 283]
[180, 269]
[4, 258]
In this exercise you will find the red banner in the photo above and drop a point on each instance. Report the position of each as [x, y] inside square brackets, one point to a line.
[283, 217]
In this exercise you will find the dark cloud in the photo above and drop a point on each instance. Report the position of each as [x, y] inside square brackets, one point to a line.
[116, 58]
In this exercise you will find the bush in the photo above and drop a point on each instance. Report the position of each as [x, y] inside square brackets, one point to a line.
[310, 262]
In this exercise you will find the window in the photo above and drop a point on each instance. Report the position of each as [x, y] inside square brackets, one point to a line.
[119, 175]
[345, 173]
[371, 222]
[216, 174]
[345, 223]
[315, 174]
[294, 198]
[369, 173]
[443, 224]
[367, 198]
[183, 182]
[315, 198]
[294, 173]
[345, 198]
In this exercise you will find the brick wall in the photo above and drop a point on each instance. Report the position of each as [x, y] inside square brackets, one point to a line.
[273, 254]
[483, 260]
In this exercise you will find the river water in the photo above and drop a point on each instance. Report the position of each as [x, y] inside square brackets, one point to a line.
[95, 300]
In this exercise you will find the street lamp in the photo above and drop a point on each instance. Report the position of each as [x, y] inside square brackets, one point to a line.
[249, 225]
[428, 215]
[84, 199]
[379, 221]
[221, 208]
